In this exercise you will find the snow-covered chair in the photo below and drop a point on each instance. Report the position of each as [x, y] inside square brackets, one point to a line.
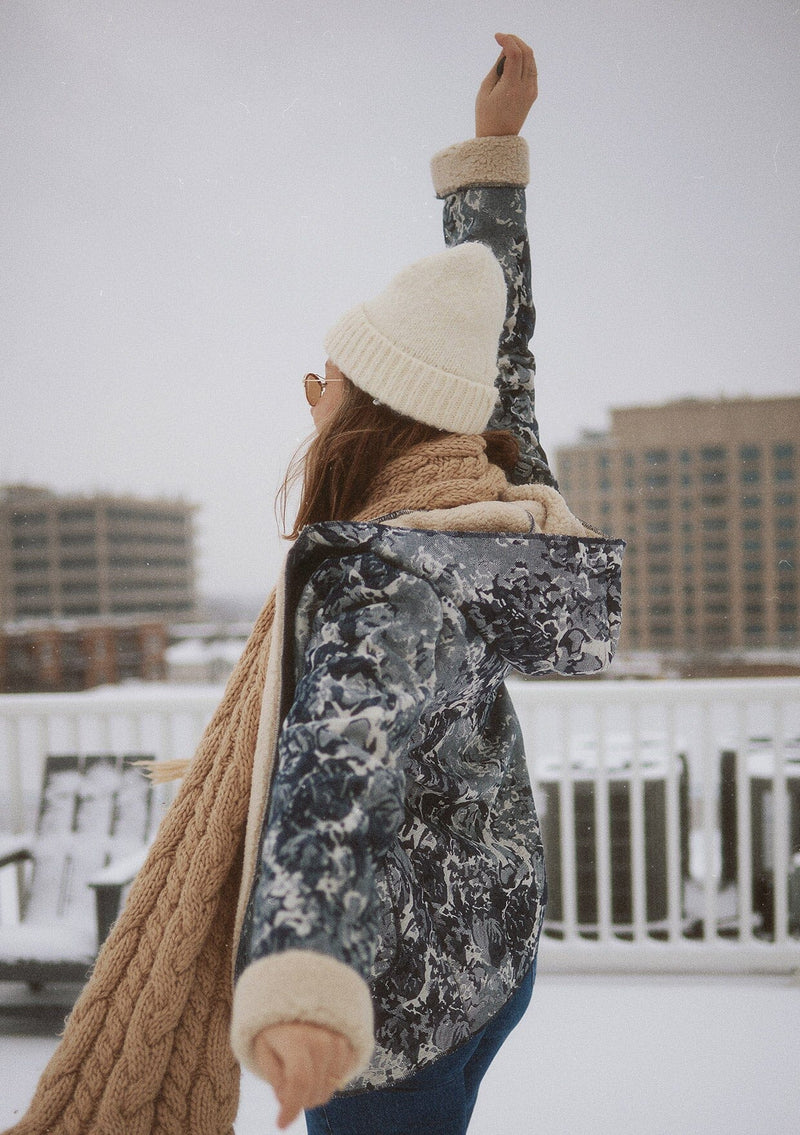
[96, 816]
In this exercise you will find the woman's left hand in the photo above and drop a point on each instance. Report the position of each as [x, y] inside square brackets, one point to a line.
[304, 1063]
[504, 100]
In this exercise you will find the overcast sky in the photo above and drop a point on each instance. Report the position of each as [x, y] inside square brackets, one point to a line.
[193, 191]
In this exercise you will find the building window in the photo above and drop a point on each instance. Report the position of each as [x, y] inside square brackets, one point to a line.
[750, 476]
[750, 452]
[25, 543]
[685, 456]
[75, 515]
[784, 500]
[714, 523]
[713, 500]
[752, 545]
[715, 545]
[656, 456]
[657, 504]
[785, 545]
[751, 502]
[25, 590]
[76, 539]
[752, 525]
[716, 477]
[655, 527]
[784, 474]
[753, 565]
[785, 524]
[712, 453]
[783, 451]
[712, 566]
[76, 563]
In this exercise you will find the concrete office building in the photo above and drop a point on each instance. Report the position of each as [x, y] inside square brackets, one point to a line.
[81, 557]
[707, 494]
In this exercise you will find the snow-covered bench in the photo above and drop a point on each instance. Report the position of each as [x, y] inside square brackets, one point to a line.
[96, 816]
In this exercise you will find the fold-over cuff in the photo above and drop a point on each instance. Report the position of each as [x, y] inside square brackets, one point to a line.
[301, 985]
[501, 160]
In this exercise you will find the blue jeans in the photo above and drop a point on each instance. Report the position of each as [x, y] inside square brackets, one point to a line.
[438, 1100]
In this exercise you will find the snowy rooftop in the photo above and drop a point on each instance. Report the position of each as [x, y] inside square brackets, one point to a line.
[622, 1055]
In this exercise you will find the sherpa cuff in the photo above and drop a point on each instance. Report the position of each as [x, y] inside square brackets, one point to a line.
[500, 160]
[302, 985]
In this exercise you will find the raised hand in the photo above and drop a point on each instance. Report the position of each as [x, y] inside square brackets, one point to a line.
[504, 99]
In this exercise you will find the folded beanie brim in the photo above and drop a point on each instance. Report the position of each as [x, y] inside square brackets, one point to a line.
[407, 384]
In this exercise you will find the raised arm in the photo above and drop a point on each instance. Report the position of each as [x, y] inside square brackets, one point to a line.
[482, 183]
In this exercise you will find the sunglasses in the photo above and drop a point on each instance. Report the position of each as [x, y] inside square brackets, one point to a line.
[314, 386]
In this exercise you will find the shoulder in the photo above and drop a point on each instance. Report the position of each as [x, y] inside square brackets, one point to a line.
[363, 592]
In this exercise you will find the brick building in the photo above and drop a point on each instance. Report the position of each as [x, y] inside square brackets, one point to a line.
[45, 657]
[707, 494]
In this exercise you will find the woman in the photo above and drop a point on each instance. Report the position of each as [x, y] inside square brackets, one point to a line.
[378, 897]
[396, 876]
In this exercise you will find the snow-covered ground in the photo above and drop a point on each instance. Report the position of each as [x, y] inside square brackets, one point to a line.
[603, 1055]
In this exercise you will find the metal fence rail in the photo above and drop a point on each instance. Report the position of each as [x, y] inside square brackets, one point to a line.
[663, 854]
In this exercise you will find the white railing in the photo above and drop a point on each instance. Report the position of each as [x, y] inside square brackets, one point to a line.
[627, 778]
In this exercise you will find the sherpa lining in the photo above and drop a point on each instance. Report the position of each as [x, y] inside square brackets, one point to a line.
[301, 985]
[501, 160]
[526, 508]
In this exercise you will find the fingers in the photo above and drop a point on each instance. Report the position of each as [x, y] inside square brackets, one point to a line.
[297, 1089]
[521, 63]
[304, 1063]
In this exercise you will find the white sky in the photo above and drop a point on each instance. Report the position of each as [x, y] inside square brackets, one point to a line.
[193, 191]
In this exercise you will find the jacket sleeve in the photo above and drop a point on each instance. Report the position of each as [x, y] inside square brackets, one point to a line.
[482, 182]
[337, 801]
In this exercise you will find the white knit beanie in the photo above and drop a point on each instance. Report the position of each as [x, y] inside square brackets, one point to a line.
[427, 345]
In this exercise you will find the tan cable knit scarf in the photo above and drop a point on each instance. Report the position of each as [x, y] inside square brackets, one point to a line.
[146, 1049]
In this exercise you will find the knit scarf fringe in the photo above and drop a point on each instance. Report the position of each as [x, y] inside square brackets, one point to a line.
[146, 1048]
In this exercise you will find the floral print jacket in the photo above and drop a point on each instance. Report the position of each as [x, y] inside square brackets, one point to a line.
[400, 838]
